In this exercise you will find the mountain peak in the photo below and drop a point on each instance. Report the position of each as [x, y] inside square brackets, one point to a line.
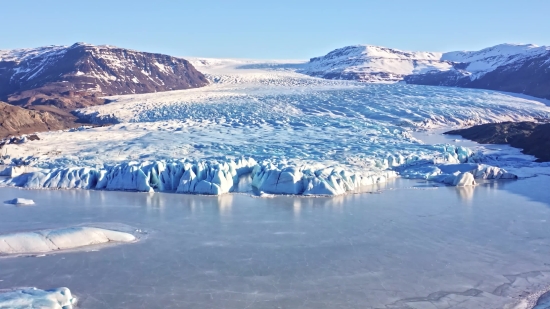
[84, 70]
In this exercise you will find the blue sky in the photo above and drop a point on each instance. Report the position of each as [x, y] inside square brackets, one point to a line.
[273, 29]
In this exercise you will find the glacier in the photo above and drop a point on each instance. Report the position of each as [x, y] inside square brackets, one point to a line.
[264, 127]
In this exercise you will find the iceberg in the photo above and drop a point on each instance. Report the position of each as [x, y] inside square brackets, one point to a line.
[20, 201]
[33, 298]
[45, 241]
[305, 180]
[461, 174]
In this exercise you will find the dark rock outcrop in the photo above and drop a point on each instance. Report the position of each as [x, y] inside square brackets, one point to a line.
[78, 75]
[533, 138]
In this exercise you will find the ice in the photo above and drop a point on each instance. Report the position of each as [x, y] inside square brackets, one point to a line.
[44, 241]
[413, 245]
[460, 179]
[12, 171]
[20, 201]
[33, 298]
[310, 181]
[203, 177]
[462, 174]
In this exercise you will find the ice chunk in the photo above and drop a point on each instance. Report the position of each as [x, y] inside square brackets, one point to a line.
[464, 180]
[20, 201]
[33, 298]
[203, 177]
[455, 174]
[308, 180]
[12, 171]
[59, 239]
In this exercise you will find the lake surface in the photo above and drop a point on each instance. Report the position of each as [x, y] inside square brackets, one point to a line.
[412, 245]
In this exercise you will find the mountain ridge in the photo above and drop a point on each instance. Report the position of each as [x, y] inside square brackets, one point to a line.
[519, 68]
[78, 75]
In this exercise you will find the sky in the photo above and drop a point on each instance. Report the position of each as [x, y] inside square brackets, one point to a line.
[282, 29]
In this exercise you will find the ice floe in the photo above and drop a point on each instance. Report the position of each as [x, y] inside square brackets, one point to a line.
[20, 201]
[45, 241]
[33, 298]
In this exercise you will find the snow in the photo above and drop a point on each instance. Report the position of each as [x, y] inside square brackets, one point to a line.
[20, 201]
[36, 60]
[22, 54]
[45, 241]
[380, 64]
[371, 61]
[488, 59]
[262, 126]
[33, 298]
[12, 171]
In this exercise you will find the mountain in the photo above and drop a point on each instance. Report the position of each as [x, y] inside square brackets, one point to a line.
[75, 76]
[512, 68]
[506, 67]
[373, 64]
[533, 138]
[15, 120]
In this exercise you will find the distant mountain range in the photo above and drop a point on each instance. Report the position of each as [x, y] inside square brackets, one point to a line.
[74, 76]
[513, 68]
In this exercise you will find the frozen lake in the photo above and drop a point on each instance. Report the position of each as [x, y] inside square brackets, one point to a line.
[411, 246]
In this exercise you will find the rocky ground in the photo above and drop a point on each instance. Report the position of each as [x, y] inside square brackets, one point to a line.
[532, 137]
[15, 120]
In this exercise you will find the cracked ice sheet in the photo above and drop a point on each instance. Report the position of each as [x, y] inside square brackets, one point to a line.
[480, 247]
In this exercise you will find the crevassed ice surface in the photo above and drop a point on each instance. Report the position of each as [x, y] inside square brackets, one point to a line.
[268, 112]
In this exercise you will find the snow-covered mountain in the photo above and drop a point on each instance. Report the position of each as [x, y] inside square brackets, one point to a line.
[78, 73]
[374, 64]
[505, 67]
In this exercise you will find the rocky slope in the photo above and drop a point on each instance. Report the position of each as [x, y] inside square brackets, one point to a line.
[75, 76]
[533, 138]
[15, 120]
[507, 67]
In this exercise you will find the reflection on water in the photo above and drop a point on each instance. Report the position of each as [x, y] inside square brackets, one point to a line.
[224, 205]
[297, 208]
[466, 194]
